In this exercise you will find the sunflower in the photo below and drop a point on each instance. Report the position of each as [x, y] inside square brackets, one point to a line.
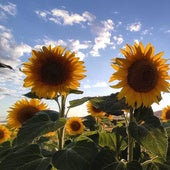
[142, 75]
[165, 113]
[23, 110]
[4, 134]
[52, 71]
[94, 111]
[74, 126]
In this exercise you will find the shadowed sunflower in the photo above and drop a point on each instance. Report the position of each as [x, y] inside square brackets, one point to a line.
[4, 134]
[165, 114]
[142, 75]
[94, 111]
[53, 70]
[23, 110]
[74, 126]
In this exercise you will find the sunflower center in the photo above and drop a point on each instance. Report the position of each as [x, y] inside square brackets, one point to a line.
[75, 126]
[55, 72]
[1, 134]
[168, 114]
[142, 76]
[26, 113]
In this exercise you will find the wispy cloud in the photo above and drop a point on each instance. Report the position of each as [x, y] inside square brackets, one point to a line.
[134, 27]
[71, 44]
[10, 51]
[9, 9]
[98, 84]
[103, 36]
[64, 17]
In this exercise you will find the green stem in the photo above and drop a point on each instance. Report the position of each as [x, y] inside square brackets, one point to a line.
[130, 139]
[61, 130]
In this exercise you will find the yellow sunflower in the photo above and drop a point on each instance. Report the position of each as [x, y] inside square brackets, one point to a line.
[23, 110]
[142, 75]
[165, 113]
[94, 111]
[74, 126]
[53, 70]
[4, 134]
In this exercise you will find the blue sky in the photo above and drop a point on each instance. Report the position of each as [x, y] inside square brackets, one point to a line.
[95, 30]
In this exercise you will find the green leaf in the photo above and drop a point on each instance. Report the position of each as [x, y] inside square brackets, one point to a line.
[90, 122]
[41, 123]
[5, 149]
[74, 91]
[32, 95]
[110, 104]
[26, 158]
[104, 158]
[151, 165]
[77, 102]
[78, 156]
[5, 66]
[154, 140]
[112, 141]
[143, 113]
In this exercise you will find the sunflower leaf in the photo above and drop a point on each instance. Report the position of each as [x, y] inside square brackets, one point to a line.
[110, 104]
[153, 139]
[112, 141]
[74, 91]
[5, 66]
[28, 157]
[77, 102]
[41, 123]
[77, 156]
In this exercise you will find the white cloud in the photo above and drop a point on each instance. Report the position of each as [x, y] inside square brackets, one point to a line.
[103, 37]
[100, 84]
[9, 9]
[10, 51]
[134, 27]
[118, 39]
[70, 44]
[64, 17]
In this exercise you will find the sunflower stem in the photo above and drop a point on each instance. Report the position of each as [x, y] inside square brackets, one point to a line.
[61, 130]
[130, 139]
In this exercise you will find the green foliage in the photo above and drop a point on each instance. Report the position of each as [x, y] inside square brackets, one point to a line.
[27, 158]
[75, 156]
[109, 104]
[155, 140]
[42, 123]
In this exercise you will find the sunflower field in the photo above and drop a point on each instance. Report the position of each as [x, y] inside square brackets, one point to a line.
[121, 131]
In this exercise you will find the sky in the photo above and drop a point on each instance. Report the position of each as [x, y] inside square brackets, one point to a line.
[94, 29]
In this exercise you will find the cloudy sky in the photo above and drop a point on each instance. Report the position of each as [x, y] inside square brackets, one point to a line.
[95, 30]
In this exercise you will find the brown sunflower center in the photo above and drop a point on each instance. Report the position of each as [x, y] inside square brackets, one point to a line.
[142, 76]
[1, 134]
[26, 113]
[168, 114]
[96, 110]
[55, 72]
[75, 126]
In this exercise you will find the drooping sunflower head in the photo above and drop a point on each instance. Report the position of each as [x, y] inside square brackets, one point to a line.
[52, 71]
[23, 110]
[94, 111]
[74, 126]
[165, 113]
[142, 75]
[4, 134]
